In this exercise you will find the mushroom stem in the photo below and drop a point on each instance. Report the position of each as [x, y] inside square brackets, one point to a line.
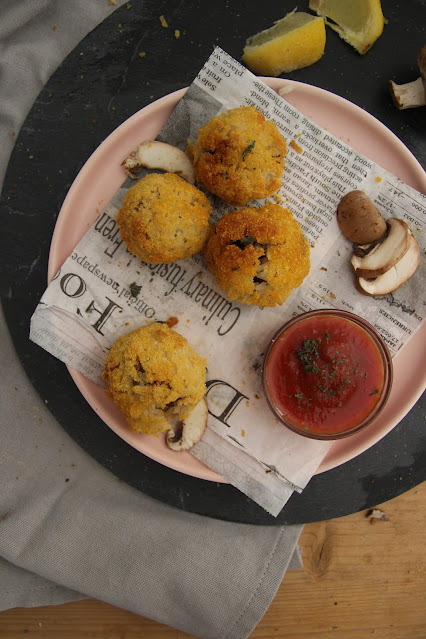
[412, 94]
[408, 96]
[153, 154]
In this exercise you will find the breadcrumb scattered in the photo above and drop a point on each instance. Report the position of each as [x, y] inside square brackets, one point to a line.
[296, 146]
[163, 22]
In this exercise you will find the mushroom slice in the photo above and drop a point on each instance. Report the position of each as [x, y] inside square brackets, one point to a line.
[396, 276]
[384, 255]
[159, 155]
[189, 431]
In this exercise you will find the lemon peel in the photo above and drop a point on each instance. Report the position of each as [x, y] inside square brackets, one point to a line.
[294, 42]
[358, 22]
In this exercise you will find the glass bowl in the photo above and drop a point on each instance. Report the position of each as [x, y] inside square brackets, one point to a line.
[327, 374]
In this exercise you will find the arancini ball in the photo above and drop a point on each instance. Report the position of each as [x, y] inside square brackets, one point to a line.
[163, 218]
[239, 156]
[258, 255]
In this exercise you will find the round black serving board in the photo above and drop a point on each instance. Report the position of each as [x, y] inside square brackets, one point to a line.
[100, 84]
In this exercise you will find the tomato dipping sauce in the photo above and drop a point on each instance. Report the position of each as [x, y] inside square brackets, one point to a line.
[327, 374]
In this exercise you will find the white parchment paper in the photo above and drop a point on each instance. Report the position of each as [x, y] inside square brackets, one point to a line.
[91, 301]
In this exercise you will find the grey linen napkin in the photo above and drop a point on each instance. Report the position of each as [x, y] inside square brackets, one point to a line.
[69, 528]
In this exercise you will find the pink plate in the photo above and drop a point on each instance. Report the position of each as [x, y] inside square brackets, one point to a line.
[102, 175]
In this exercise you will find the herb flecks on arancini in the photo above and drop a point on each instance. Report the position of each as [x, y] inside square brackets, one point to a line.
[239, 156]
[258, 255]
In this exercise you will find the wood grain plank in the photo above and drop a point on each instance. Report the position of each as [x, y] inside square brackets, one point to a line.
[359, 579]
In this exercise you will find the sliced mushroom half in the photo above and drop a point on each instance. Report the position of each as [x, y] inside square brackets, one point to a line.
[189, 431]
[394, 277]
[384, 255]
[159, 155]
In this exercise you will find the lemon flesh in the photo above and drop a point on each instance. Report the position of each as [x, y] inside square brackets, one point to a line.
[359, 22]
[296, 41]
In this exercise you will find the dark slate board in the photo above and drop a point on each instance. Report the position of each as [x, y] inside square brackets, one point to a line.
[101, 83]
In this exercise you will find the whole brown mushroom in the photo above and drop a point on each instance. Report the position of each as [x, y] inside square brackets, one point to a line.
[359, 219]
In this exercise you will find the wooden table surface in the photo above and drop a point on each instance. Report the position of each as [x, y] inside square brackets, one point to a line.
[361, 578]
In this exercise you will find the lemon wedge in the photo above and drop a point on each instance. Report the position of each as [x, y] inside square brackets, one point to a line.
[296, 41]
[359, 22]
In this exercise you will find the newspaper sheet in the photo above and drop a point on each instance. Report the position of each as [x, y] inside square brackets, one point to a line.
[92, 299]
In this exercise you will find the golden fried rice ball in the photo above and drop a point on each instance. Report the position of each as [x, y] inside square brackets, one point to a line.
[154, 375]
[259, 255]
[239, 156]
[163, 218]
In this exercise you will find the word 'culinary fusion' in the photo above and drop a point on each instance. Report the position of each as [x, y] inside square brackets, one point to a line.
[239, 156]
[259, 255]
[158, 381]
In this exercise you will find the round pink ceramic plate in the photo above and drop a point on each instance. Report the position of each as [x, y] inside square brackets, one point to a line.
[101, 176]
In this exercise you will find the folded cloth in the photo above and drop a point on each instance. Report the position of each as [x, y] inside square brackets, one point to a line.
[70, 521]
[69, 528]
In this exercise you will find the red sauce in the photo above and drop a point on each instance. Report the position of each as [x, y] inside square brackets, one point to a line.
[324, 374]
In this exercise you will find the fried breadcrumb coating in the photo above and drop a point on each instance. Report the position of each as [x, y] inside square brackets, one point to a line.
[163, 219]
[259, 255]
[239, 156]
[154, 376]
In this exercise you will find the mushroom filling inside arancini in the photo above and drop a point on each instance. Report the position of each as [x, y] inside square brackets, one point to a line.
[259, 281]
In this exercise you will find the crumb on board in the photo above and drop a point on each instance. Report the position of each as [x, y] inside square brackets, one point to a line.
[375, 515]
[163, 22]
